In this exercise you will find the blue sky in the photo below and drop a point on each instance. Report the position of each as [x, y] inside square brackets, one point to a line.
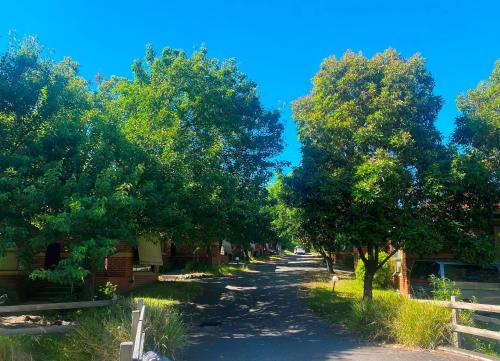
[279, 44]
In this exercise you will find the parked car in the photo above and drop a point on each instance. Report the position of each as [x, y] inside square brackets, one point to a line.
[474, 281]
[299, 250]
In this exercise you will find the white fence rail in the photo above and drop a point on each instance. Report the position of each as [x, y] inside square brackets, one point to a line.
[457, 328]
[42, 330]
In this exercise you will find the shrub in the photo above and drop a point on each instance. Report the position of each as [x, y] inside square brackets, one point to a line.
[443, 288]
[107, 292]
[98, 333]
[167, 266]
[421, 324]
[383, 277]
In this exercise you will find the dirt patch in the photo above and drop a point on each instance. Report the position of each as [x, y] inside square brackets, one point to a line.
[21, 321]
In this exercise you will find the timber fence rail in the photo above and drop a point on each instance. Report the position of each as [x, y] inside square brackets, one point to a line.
[456, 306]
[41, 330]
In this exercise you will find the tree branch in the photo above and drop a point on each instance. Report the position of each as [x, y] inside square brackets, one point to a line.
[387, 258]
[362, 254]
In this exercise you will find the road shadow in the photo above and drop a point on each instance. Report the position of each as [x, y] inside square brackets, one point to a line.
[260, 316]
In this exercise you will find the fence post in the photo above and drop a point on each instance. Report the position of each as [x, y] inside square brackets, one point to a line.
[135, 316]
[126, 349]
[454, 320]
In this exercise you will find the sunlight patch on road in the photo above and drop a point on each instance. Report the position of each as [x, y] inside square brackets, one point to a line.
[237, 288]
[295, 269]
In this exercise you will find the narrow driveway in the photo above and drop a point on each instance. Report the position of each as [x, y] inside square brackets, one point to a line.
[259, 316]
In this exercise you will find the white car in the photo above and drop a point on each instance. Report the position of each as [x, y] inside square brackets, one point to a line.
[299, 250]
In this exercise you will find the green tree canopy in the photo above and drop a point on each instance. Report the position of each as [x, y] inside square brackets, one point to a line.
[372, 157]
[475, 172]
[66, 173]
[202, 120]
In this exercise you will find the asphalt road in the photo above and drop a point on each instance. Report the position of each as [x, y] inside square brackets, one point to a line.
[259, 316]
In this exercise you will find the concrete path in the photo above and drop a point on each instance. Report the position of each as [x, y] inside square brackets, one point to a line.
[259, 316]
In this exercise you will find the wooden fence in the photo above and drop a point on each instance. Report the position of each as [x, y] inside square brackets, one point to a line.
[40, 330]
[458, 329]
[134, 350]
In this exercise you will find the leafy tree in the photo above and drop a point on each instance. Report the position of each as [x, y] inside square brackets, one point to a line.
[203, 123]
[475, 171]
[372, 157]
[286, 221]
[66, 173]
[184, 149]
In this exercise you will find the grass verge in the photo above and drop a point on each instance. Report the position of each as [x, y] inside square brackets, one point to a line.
[388, 318]
[220, 270]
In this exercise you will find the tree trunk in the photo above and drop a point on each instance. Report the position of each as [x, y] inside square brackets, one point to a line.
[89, 285]
[327, 258]
[370, 260]
[368, 281]
[329, 264]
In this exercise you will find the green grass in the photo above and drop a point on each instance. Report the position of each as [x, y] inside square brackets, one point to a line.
[168, 293]
[388, 318]
[98, 332]
[211, 270]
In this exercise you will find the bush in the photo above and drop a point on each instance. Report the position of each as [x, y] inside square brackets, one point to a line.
[97, 334]
[443, 288]
[421, 324]
[383, 277]
[107, 292]
[167, 266]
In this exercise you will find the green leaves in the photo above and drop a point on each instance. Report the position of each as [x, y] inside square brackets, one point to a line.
[185, 150]
[474, 192]
[370, 150]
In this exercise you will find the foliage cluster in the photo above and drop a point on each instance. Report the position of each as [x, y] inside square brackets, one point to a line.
[107, 291]
[375, 172]
[383, 279]
[183, 151]
[443, 288]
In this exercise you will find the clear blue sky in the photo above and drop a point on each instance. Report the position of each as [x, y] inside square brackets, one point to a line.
[279, 44]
